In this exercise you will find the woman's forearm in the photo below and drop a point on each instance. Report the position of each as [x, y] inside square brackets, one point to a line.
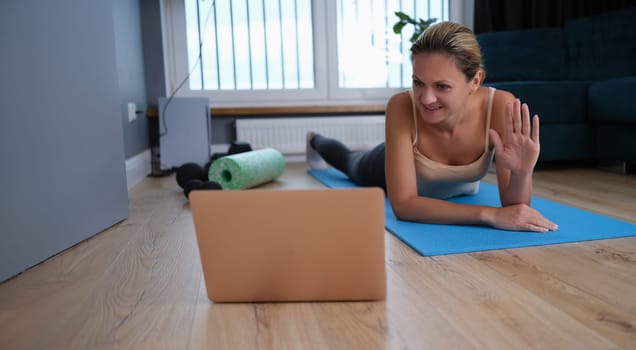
[518, 189]
[435, 211]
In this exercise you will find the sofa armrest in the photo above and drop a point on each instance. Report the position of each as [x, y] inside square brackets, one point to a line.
[612, 100]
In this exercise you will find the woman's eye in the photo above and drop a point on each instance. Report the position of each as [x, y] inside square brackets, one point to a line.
[417, 83]
[443, 86]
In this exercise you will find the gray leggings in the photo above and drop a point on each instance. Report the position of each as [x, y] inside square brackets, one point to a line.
[365, 168]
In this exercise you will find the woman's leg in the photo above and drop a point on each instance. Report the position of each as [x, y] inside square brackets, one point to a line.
[365, 168]
[331, 151]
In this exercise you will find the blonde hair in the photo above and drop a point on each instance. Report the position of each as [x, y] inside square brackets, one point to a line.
[454, 40]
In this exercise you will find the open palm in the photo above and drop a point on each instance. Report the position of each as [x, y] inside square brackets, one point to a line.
[519, 149]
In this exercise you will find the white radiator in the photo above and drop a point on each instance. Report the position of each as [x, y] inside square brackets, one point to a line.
[288, 135]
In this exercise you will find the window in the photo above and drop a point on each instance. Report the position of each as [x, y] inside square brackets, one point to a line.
[250, 45]
[291, 52]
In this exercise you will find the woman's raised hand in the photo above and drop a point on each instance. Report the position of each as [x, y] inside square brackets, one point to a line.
[519, 149]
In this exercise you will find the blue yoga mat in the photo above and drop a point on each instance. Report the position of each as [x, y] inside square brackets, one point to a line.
[575, 224]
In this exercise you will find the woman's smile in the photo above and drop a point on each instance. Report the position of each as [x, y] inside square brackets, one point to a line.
[431, 107]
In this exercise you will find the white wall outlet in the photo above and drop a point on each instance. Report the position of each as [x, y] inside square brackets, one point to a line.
[132, 112]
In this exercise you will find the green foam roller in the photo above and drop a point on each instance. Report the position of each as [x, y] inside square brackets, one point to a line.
[248, 169]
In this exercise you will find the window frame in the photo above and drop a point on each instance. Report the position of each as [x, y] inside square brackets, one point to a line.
[325, 92]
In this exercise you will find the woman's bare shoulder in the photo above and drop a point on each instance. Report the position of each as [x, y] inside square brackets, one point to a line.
[501, 98]
[399, 115]
[399, 103]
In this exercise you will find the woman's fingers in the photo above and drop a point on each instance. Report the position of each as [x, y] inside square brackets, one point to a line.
[496, 141]
[518, 122]
[536, 228]
[508, 123]
[542, 223]
[535, 128]
[525, 120]
[516, 116]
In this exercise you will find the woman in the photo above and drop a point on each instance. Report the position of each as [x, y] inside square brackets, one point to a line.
[438, 141]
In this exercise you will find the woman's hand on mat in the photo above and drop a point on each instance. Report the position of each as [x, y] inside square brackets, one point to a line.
[518, 151]
[520, 217]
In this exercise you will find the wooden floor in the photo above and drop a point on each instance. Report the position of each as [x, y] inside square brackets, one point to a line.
[139, 285]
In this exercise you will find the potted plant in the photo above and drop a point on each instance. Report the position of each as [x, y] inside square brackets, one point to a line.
[419, 25]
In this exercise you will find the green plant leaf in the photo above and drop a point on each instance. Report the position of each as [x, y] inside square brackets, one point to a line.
[397, 28]
[427, 22]
[403, 16]
[420, 25]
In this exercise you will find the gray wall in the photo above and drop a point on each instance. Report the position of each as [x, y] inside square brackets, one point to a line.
[61, 138]
[152, 51]
[130, 73]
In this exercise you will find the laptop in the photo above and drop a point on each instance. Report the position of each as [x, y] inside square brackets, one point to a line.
[263, 245]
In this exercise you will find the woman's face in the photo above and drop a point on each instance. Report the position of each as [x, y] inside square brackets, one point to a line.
[439, 87]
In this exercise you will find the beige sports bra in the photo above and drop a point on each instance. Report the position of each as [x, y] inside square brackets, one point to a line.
[438, 180]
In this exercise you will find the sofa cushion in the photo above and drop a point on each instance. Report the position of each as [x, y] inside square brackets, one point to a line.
[536, 54]
[566, 141]
[553, 101]
[602, 46]
[613, 100]
[615, 142]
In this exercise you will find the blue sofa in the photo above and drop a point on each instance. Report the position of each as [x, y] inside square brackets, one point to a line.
[580, 79]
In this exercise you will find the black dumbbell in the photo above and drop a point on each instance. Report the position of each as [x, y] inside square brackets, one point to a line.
[196, 184]
[190, 171]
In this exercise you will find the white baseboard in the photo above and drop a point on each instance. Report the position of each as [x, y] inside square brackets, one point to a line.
[219, 148]
[137, 168]
[295, 158]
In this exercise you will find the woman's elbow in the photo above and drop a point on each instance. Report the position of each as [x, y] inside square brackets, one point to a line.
[400, 209]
